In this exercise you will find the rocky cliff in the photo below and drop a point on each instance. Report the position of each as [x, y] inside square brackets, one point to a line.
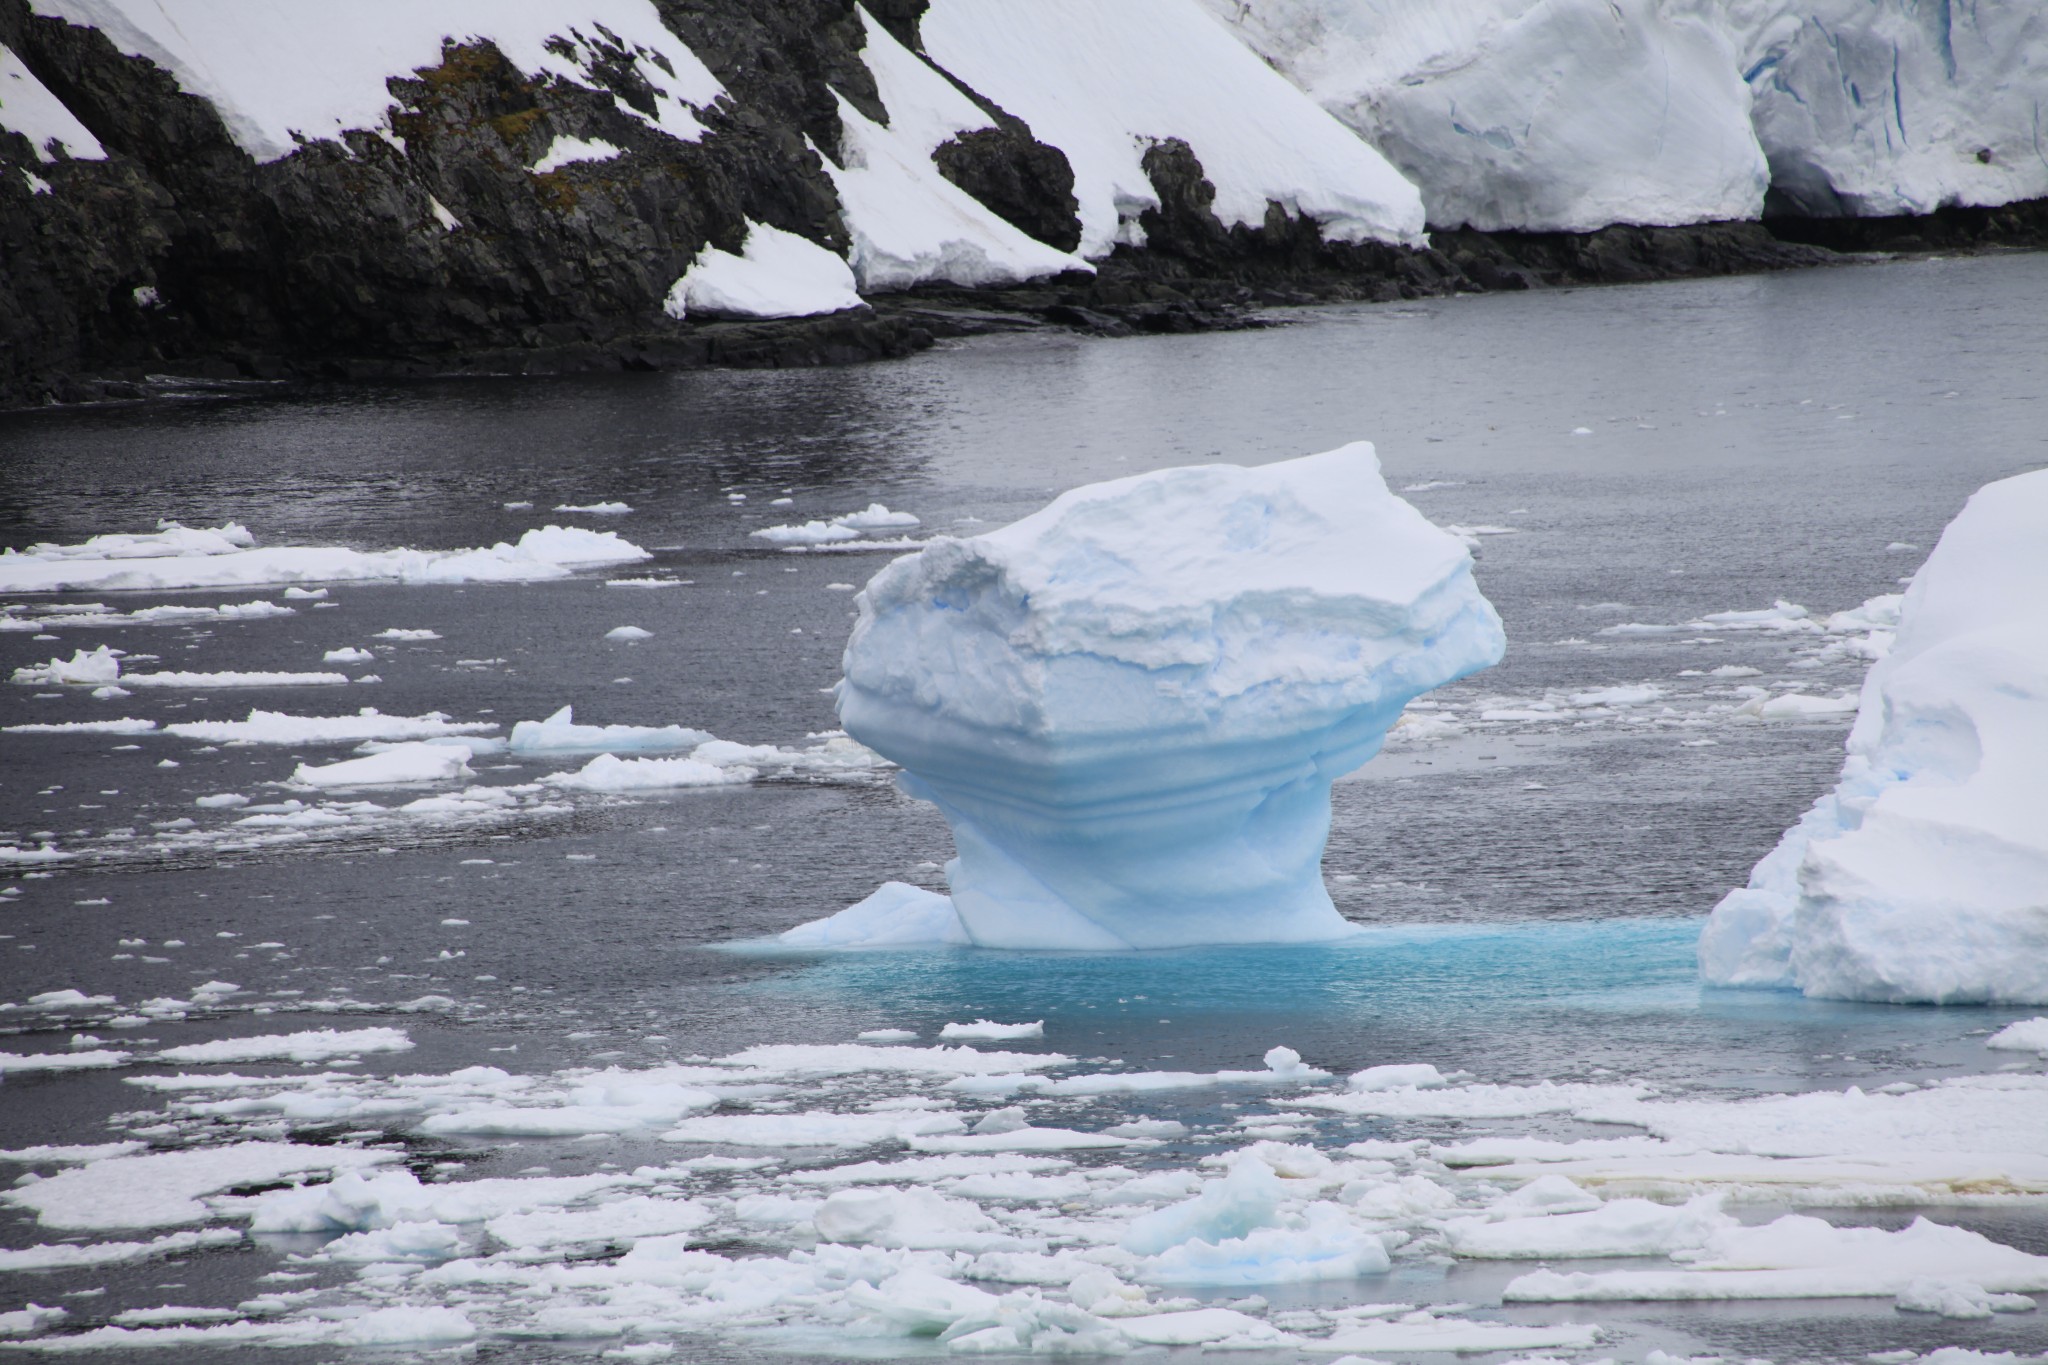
[261, 192]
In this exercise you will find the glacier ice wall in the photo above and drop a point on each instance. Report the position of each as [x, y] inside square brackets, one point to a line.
[1130, 705]
[1542, 115]
[1878, 107]
[1923, 876]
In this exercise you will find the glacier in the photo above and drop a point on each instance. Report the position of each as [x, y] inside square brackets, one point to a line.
[1533, 115]
[1923, 876]
[1870, 108]
[1131, 704]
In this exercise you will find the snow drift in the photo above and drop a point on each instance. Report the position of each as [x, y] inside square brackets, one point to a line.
[1131, 704]
[1923, 876]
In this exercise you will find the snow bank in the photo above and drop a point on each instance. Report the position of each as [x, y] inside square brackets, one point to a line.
[280, 73]
[182, 558]
[1923, 876]
[27, 107]
[1130, 705]
[1104, 82]
[1542, 115]
[1876, 107]
[909, 224]
[776, 275]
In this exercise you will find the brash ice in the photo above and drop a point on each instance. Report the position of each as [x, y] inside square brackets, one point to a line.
[1130, 705]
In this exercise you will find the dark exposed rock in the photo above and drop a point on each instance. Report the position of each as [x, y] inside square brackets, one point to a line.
[1027, 184]
[2020, 224]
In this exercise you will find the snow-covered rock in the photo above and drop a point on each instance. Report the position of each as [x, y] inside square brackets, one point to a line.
[909, 224]
[1104, 82]
[1878, 107]
[279, 73]
[1543, 115]
[777, 274]
[28, 107]
[1923, 876]
[1130, 705]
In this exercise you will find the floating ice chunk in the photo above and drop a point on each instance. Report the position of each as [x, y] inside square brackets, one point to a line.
[71, 1256]
[628, 633]
[400, 633]
[2028, 1035]
[597, 509]
[129, 725]
[314, 1045]
[102, 665]
[1958, 1299]
[1921, 876]
[610, 773]
[809, 533]
[920, 1303]
[810, 1130]
[776, 274]
[34, 1318]
[1247, 1198]
[97, 1060]
[1618, 696]
[874, 517]
[99, 618]
[544, 553]
[620, 1220]
[348, 654]
[164, 1189]
[357, 1201]
[1422, 1331]
[399, 765]
[1798, 1257]
[397, 1244]
[1473, 1101]
[220, 801]
[277, 727]
[1798, 706]
[887, 1035]
[67, 999]
[1216, 642]
[913, 1217]
[560, 734]
[1625, 1227]
[987, 1030]
[1398, 1076]
[1321, 1243]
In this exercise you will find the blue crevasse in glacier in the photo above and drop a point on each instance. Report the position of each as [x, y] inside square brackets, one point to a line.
[1131, 704]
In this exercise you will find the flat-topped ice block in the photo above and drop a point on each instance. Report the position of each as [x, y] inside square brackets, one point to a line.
[1130, 705]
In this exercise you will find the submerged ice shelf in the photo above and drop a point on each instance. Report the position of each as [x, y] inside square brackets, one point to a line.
[1130, 705]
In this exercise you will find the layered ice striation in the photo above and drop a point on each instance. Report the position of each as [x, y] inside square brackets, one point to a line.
[1923, 876]
[1130, 705]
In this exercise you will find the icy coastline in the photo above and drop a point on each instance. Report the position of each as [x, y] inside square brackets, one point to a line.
[1923, 876]
[1130, 705]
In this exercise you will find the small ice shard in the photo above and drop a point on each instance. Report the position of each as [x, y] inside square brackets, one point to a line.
[1923, 876]
[628, 633]
[1130, 705]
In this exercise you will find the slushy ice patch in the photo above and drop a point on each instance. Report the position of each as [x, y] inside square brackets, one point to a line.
[1923, 876]
[1130, 705]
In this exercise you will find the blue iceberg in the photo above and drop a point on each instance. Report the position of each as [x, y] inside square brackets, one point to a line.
[1130, 705]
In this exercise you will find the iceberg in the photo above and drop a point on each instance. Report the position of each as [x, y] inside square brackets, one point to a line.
[1923, 876]
[1131, 704]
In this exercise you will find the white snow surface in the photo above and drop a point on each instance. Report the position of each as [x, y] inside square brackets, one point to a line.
[909, 224]
[1104, 82]
[776, 274]
[180, 557]
[1541, 115]
[28, 107]
[1216, 642]
[282, 73]
[568, 151]
[1923, 876]
[1880, 107]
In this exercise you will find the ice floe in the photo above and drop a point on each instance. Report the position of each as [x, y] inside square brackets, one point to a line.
[180, 557]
